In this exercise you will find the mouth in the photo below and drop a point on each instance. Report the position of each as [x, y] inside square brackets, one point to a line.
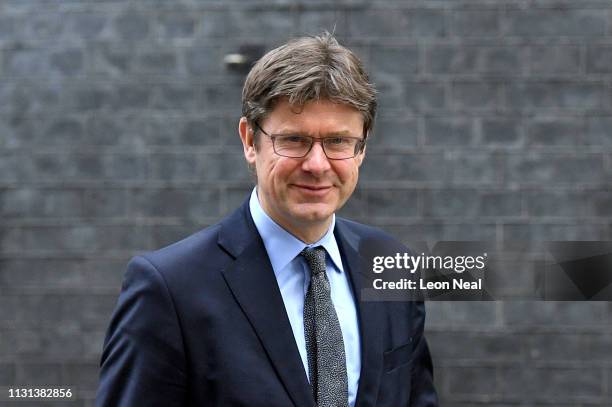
[313, 190]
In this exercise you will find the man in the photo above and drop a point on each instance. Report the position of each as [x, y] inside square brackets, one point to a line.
[263, 309]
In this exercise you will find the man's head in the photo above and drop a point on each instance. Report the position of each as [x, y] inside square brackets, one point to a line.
[310, 87]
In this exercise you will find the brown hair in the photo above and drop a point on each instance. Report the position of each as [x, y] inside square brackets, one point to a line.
[307, 69]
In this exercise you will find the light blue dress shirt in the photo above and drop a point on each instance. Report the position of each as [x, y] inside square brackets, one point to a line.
[293, 277]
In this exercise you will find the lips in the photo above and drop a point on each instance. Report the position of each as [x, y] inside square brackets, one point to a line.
[314, 190]
[314, 187]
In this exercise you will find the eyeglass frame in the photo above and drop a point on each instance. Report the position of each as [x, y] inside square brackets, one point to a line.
[358, 147]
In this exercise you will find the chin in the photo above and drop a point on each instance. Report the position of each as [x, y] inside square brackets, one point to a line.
[313, 212]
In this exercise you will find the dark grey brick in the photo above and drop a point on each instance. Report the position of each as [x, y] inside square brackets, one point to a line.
[502, 131]
[403, 167]
[475, 95]
[107, 202]
[60, 238]
[7, 374]
[175, 25]
[232, 167]
[116, 129]
[201, 132]
[121, 238]
[185, 203]
[471, 59]
[181, 131]
[394, 60]
[568, 347]
[157, 62]
[91, 96]
[26, 62]
[132, 95]
[418, 232]
[555, 131]
[11, 27]
[513, 277]
[550, 313]
[392, 203]
[546, 384]
[179, 96]
[88, 25]
[475, 23]
[577, 95]
[599, 202]
[226, 97]
[429, 22]
[477, 346]
[397, 23]
[450, 203]
[163, 235]
[204, 60]
[453, 131]
[394, 132]
[313, 22]
[175, 166]
[554, 168]
[45, 26]
[470, 231]
[531, 237]
[555, 59]
[599, 59]
[85, 374]
[70, 274]
[42, 374]
[126, 166]
[556, 202]
[68, 62]
[461, 314]
[132, 26]
[357, 206]
[500, 203]
[537, 22]
[423, 96]
[598, 131]
[234, 196]
[113, 60]
[470, 380]
[475, 167]
[65, 131]
[236, 22]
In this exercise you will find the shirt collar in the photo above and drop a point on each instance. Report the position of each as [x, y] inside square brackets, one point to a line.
[282, 246]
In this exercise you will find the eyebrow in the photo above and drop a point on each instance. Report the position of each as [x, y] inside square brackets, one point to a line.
[302, 133]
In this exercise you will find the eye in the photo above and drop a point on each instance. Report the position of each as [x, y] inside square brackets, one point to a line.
[336, 141]
[294, 139]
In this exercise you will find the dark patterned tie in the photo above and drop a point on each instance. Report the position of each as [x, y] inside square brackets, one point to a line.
[324, 344]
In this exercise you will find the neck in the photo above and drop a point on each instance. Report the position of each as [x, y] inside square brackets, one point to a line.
[307, 233]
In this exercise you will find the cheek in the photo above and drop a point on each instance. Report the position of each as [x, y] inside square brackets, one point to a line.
[348, 173]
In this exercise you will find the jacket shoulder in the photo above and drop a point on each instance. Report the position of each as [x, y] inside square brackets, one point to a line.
[191, 250]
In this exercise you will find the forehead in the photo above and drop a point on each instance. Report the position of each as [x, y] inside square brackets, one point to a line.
[320, 116]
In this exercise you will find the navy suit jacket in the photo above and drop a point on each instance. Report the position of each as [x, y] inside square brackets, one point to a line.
[202, 323]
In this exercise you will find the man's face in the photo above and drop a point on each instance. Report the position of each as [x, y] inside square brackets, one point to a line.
[304, 192]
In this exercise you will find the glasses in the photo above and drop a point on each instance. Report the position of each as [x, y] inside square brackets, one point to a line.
[298, 146]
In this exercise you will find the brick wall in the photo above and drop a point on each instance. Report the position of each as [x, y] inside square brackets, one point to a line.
[118, 134]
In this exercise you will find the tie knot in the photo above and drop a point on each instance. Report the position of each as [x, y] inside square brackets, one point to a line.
[315, 258]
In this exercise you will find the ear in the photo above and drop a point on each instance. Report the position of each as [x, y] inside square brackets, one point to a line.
[248, 140]
[359, 157]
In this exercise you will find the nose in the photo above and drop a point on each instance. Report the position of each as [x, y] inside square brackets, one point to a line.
[316, 161]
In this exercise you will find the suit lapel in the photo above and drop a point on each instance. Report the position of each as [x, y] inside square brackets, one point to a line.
[251, 280]
[370, 313]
